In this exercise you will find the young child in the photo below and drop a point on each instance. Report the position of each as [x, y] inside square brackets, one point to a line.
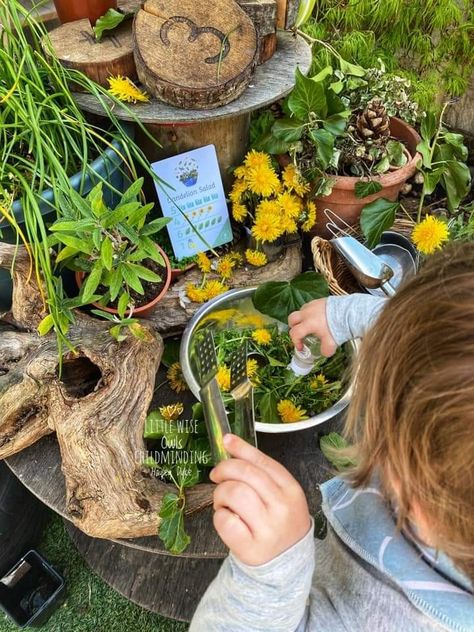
[399, 552]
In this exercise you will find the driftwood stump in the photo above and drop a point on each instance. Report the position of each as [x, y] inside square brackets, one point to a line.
[97, 407]
[194, 55]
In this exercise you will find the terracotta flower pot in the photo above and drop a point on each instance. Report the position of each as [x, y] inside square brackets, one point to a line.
[343, 201]
[71, 10]
[145, 310]
[178, 272]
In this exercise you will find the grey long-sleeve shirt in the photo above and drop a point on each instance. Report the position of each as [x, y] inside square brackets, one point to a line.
[287, 594]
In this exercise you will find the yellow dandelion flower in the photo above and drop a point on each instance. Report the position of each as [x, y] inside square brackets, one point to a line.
[172, 411]
[225, 266]
[223, 378]
[268, 207]
[255, 159]
[262, 336]
[203, 262]
[238, 189]
[239, 212]
[214, 288]
[267, 228]
[250, 320]
[125, 90]
[429, 234]
[288, 225]
[195, 293]
[262, 181]
[290, 205]
[293, 180]
[221, 316]
[236, 257]
[241, 172]
[289, 412]
[256, 258]
[252, 367]
[175, 377]
[310, 217]
[318, 382]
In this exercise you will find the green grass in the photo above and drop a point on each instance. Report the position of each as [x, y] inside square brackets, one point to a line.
[91, 605]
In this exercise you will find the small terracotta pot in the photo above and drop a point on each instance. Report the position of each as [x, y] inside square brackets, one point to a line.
[145, 310]
[71, 10]
[343, 201]
[178, 272]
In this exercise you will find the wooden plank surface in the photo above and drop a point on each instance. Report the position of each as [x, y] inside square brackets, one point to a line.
[271, 81]
[169, 586]
[39, 468]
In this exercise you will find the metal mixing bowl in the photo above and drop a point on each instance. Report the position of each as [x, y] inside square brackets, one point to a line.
[241, 299]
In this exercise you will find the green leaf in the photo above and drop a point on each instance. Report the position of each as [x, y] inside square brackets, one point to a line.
[171, 352]
[46, 325]
[383, 165]
[120, 214]
[74, 242]
[305, 11]
[96, 200]
[324, 143]
[272, 145]
[279, 298]
[108, 22]
[431, 179]
[131, 278]
[307, 96]
[268, 408]
[137, 217]
[456, 181]
[171, 529]
[116, 282]
[287, 129]
[102, 314]
[123, 304]
[133, 191]
[156, 225]
[365, 188]
[337, 86]
[74, 226]
[155, 425]
[128, 232]
[425, 150]
[116, 332]
[188, 475]
[322, 74]
[106, 253]
[429, 126]
[66, 253]
[376, 217]
[396, 154]
[145, 273]
[336, 123]
[330, 444]
[92, 282]
[351, 69]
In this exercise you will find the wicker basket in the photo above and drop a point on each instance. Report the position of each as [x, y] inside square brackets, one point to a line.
[332, 266]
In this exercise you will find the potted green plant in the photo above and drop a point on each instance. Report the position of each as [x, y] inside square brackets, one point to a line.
[49, 148]
[119, 268]
[346, 134]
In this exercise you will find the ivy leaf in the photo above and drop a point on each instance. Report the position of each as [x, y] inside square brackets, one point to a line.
[431, 179]
[376, 217]
[270, 144]
[307, 96]
[155, 425]
[329, 445]
[425, 150]
[325, 72]
[268, 408]
[383, 165]
[351, 69]
[171, 529]
[395, 153]
[336, 123]
[365, 188]
[289, 130]
[324, 143]
[108, 22]
[279, 298]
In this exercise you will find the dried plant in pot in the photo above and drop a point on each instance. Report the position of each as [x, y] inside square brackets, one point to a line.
[119, 268]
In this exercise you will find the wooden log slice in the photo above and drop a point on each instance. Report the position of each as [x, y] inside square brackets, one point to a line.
[194, 55]
[76, 47]
[264, 15]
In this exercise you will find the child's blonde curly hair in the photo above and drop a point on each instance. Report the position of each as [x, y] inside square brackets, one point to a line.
[412, 412]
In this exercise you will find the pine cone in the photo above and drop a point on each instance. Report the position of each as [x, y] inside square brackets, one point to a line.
[373, 123]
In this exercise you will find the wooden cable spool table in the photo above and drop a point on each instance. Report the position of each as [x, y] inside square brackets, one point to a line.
[141, 569]
[227, 127]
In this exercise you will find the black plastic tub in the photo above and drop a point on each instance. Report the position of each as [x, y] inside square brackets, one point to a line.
[31, 591]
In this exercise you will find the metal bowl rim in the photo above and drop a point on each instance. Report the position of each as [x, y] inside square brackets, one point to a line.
[260, 426]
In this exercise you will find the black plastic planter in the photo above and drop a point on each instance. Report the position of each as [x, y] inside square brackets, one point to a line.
[31, 591]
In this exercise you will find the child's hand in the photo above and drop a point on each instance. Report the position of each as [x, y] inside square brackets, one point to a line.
[311, 319]
[260, 509]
